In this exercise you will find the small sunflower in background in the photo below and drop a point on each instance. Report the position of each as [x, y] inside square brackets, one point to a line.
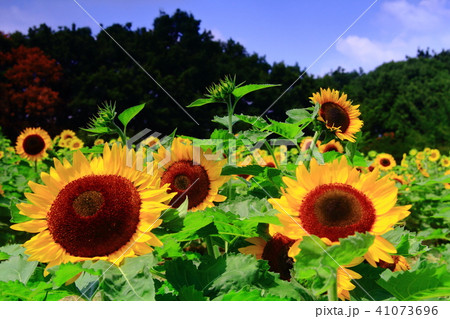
[334, 201]
[75, 143]
[63, 143]
[99, 141]
[67, 135]
[434, 155]
[305, 144]
[33, 143]
[199, 182]
[331, 146]
[2, 154]
[420, 156]
[338, 113]
[413, 152]
[93, 210]
[445, 161]
[385, 161]
[447, 185]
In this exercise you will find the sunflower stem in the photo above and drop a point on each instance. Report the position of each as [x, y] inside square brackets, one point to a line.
[311, 148]
[212, 249]
[332, 291]
[120, 133]
[270, 149]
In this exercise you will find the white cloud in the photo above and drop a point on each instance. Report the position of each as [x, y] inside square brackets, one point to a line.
[403, 28]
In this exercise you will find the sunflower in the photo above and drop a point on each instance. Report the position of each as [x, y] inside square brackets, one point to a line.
[275, 251]
[98, 210]
[434, 155]
[385, 162]
[2, 154]
[280, 252]
[33, 143]
[199, 182]
[420, 156]
[331, 146]
[399, 264]
[63, 143]
[99, 141]
[67, 134]
[75, 143]
[335, 201]
[398, 178]
[421, 169]
[445, 161]
[305, 144]
[338, 113]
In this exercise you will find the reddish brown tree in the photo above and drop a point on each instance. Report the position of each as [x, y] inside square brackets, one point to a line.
[27, 94]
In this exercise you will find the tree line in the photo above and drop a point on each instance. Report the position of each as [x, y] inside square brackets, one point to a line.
[71, 72]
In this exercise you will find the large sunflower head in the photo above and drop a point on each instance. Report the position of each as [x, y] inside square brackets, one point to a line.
[199, 182]
[385, 162]
[33, 143]
[331, 146]
[338, 113]
[102, 209]
[334, 201]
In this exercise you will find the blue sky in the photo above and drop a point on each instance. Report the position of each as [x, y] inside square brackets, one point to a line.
[290, 31]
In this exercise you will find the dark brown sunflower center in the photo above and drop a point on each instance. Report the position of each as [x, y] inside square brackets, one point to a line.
[336, 211]
[181, 182]
[330, 148]
[385, 162]
[88, 203]
[33, 144]
[276, 253]
[187, 180]
[335, 116]
[95, 215]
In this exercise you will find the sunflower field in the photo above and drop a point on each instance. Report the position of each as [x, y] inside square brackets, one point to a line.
[263, 213]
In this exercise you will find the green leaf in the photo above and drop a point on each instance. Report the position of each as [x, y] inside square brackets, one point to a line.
[255, 121]
[317, 155]
[16, 217]
[4, 256]
[298, 115]
[246, 295]
[17, 268]
[200, 102]
[64, 272]
[408, 244]
[366, 289]
[224, 120]
[243, 90]
[246, 170]
[426, 282]
[287, 130]
[318, 262]
[131, 281]
[96, 130]
[17, 291]
[127, 115]
[190, 294]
